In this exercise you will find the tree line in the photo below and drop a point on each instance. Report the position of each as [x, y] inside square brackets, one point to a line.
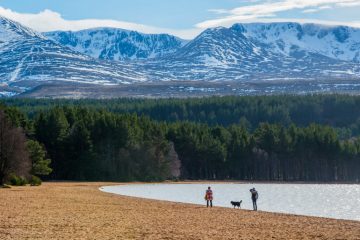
[339, 111]
[22, 159]
[98, 145]
[272, 152]
[91, 142]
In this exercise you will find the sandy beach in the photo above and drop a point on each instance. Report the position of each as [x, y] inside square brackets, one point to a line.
[81, 211]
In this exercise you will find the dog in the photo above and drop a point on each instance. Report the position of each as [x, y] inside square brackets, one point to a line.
[236, 204]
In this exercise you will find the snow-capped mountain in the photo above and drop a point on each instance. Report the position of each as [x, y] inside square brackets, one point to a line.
[338, 42]
[12, 31]
[286, 39]
[259, 42]
[27, 59]
[118, 44]
[243, 53]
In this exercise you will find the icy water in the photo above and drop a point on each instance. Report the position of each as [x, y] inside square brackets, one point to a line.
[323, 200]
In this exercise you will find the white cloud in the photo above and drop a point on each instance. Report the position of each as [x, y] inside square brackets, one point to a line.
[218, 11]
[313, 10]
[325, 7]
[270, 9]
[349, 4]
[255, 11]
[48, 20]
[308, 20]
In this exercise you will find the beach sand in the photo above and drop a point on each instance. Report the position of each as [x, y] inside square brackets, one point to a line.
[81, 211]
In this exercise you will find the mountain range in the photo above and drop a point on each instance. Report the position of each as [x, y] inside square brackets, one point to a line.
[255, 52]
[118, 44]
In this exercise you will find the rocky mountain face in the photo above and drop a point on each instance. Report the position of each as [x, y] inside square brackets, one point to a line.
[243, 53]
[28, 58]
[337, 42]
[279, 51]
[118, 44]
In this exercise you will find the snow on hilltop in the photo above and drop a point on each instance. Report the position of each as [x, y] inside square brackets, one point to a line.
[28, 59]
[10, 31]
[275, 51]
[338, 42]
[118, 44]
[242, 53]
[286, 39]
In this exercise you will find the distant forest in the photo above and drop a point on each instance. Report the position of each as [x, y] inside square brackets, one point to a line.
[278, 138]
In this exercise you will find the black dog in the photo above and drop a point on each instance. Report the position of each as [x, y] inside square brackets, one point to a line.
[236, 204]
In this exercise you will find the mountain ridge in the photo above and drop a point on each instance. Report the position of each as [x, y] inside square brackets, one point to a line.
[241, 53]
[28, 58]
[117, 44]
[337, 43]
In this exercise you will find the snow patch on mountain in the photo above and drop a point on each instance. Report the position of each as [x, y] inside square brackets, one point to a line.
[241, 53]
[338, 42]
[28, 59]
[118, 44]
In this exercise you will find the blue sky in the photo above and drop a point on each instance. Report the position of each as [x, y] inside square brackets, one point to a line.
[184, 18]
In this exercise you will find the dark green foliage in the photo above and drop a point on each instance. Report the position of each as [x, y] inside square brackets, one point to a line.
[289, 138]
[40, 165]
[96, 145]
[273, 152]
[17, 118]
[339, 111]
[14, 158]
[35, 181]
[16, 180]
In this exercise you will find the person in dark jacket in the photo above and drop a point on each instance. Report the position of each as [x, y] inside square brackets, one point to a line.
[254, 197]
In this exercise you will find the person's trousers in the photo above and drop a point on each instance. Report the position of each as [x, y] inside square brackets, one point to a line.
[254, 205]
[207, 203]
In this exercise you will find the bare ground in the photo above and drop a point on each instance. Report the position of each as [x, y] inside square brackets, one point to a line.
[81, 211]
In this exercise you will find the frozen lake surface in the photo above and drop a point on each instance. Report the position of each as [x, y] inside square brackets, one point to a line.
[339, 201]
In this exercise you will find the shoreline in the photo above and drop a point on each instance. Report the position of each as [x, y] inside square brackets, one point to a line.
[185, 181]
[257, 182]
[79, 210]
[242, 209]
[221, 205]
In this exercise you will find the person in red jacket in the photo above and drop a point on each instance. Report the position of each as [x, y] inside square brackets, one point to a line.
[209, 197]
